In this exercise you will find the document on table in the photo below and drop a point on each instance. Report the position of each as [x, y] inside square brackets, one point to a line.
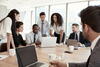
[3, 57]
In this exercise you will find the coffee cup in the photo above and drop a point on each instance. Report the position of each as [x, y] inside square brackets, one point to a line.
[71, 48]
[11, 52]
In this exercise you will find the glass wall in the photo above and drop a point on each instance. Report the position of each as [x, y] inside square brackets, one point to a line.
[69, 12]
[42, 9]
[33, 16]
[94, 3]
[26, 19]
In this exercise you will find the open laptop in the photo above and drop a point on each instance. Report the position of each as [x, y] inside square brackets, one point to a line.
[48, 42]
[72, 42]
[27, 57]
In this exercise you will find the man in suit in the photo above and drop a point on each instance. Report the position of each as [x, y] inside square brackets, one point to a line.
[34, 37]
[90, 18]
[78, 35]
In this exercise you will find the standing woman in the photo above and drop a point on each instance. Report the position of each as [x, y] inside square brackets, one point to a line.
[8, 28]
[57, 26]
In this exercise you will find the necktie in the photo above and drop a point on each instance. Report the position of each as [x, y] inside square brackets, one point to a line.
[34, 37]
[76, 36]
[42, 28]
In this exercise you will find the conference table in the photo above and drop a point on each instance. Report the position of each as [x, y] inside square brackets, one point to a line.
[78, 56]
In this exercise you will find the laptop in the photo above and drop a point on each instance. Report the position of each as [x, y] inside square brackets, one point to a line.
[72, 42]
[27, 57]
[48, 42]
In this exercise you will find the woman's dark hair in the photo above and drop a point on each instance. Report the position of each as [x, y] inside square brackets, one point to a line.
[12, 14]
[18, 24]
[91, 17]
[59, 19]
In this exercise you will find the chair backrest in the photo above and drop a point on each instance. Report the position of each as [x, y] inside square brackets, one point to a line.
[3, 47]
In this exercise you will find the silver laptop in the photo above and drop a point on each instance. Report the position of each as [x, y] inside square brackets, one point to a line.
[72, 42]
[48, 42]
[27, 57]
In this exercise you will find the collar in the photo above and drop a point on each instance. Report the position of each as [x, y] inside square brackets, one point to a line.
[43, 21]
[78, 32]
[94, 42]
[35, 33]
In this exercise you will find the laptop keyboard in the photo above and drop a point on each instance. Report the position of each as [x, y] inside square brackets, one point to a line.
[38, 64]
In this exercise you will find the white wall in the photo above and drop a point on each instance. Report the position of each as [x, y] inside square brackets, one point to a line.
[25, 4]
[3, 11]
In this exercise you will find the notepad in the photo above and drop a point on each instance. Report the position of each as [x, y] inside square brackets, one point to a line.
[3, 57]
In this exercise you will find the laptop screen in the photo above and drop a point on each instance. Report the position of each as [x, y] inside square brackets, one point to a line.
[26, 55]
[72, 42]
[48, 41]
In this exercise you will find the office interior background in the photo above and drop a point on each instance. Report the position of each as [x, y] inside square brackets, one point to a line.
[30, 9]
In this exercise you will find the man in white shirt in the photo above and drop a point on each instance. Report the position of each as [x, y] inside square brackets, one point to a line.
[44, 25]
[34, 36]
[90, 18]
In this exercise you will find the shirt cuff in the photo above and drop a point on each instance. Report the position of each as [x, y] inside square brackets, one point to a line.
[67, 64]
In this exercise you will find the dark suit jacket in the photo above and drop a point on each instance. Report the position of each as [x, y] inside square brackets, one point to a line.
[81, 39]
[93, 60]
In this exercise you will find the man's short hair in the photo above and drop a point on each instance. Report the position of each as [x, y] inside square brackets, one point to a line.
[34, 26]
[75, 25]
[91, 17]
[42, 13]
[18, 24]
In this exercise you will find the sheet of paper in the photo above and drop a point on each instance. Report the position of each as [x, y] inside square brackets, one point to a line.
[3, 57]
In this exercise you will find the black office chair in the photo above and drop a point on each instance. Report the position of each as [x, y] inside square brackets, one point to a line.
[3, 47]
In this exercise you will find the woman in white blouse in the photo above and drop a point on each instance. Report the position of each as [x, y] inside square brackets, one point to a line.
[8, 27]
[57, 27]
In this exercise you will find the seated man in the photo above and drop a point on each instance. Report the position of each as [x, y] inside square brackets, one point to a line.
[19, 40]
[34, 36]
[78, 35]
